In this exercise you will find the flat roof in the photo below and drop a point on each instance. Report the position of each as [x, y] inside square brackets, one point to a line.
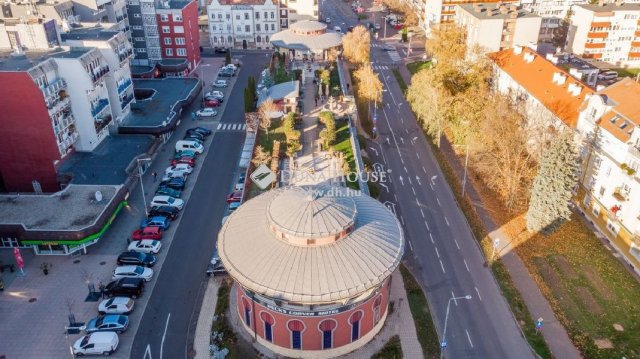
[71, 209]
[489, 11]
[140, 70]
[107, 163]
[152, 112]
[74, 53]
[609, 7]
[89, 33]
[173, 5]
[10, 62]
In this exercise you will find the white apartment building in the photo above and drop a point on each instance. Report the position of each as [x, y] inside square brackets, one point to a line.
[609, 33]
[444, 11]
[610, 183]
[494, 28]
[243, 24]
[552, 13]
[117, 51]
[297, 10]
[28, 33]
[106, 11]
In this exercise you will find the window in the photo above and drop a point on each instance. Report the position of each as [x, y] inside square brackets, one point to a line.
[213, 28]
[246, 306]
[142, 49]
[180, 41]
[181, 51]
[178, 29]
[177, 18]
[247, 28]
[327, 327]
[166, 29]
[136, 15]
[229, 39]
[258, 39]
[273, 27]
[266, 39]
[237, 16]
[268, 321]
[265, 15]
[168, 52]
[138, 39]
[246, 16]
[215, 39]
[136, 27]
[376, 309]
[228, 16]
[296, 328]
[273, 15]
[354, 320]
[257, 27]
[164, 17]
[167, 41]
[257, 15]
[238, 28]
[283, 12]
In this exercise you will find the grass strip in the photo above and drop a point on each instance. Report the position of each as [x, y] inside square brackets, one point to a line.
[391, 350]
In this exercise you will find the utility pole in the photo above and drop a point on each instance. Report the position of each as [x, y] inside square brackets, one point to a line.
[443, 344]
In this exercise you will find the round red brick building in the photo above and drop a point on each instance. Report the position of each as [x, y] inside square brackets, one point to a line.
[312, 267]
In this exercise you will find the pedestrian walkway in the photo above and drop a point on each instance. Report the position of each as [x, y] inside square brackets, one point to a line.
[231, 127]
[202, 338]
[554, 333]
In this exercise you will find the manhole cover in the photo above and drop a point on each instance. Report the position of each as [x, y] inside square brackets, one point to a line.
[31, 300]
[103, 263]
[76, 261]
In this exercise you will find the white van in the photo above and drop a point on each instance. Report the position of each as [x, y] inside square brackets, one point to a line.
[186, 145]
[100, 343]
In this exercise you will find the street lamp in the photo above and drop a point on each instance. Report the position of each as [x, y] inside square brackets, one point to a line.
[204, 83]
[140, 172]
[443, 344]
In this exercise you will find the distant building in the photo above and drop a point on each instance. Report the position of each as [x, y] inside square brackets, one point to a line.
[444, 11]
[28, 33]
[243, 24]
[61, 11]
[105, 11]
[610, 182]
[577, 67]
[608, 33]
[495, 27]
[296, 10]
[553, 12]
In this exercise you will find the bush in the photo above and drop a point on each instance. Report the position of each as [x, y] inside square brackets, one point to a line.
[391, 350]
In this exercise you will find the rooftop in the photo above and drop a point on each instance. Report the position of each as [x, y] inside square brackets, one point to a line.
[173, 5]
[306, 35]
[311, 244]
[71, 209]
[537, 77]
[153, 111]
[107, 164]
[10, 62]
[624, 116]
[487, 11]
[290, 89]
[89, 33]
[245, 2]
[610, 7]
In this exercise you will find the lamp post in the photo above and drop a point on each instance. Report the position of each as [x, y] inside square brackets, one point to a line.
[443, 344]
[204, 83]
[140, 172]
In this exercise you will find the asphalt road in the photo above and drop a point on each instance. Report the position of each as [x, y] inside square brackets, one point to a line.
[168, 324]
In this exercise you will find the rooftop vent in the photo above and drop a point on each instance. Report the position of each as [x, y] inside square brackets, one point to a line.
[529, 57]
[517, 49]
[559, 78]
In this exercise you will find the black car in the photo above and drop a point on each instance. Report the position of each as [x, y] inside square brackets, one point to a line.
[137, 258]
[201, 130]
[175, 183]
[214, 98]
[195, 135]
[165, 211]
[225, 73]
[125, 287]
[220, 50]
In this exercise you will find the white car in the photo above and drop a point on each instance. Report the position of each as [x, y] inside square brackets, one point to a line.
[168, 176]
[145, 246]
[377, 26]
[337, 29]
[328, 20]
[133, 271]
[232, 67]
[220, 83]
[98, 343]
[116, 305]
[206, 112]
[158, 201]
[179, 167]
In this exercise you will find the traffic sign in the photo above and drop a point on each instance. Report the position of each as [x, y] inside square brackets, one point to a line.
[539, 323]
[443, 344]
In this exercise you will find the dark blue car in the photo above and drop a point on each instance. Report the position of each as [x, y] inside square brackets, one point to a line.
[108, 323]
[156, 221]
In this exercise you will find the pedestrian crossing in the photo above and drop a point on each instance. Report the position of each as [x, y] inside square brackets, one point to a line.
[231, 127]
[395, 57]
[382, 67]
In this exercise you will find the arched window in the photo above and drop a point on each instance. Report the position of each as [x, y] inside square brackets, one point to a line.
[215, 39]
[327, 327]
[222, 39]
[246, 306]
[354, 320]
[268, 321]
[376, 309]
[266, 39]
[230, 39]
[296, 328]
[258, 38]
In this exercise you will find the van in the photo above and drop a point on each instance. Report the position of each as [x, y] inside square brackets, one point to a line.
[188, 145]
[98, 343]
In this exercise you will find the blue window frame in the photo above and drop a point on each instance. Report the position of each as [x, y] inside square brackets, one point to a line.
[247, 316]
[355, 330]
[267, 332]
[296, 339]
[326, 339]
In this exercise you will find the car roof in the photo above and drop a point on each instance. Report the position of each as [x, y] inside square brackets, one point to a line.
[121, 269]
[158, 218]
[102, 336]
[234, 205]
[151, 229]
[148, 241]
[160, 197]
[120, 300]
[111, 318]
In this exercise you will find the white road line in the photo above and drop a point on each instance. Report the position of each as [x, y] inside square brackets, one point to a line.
[405, 169]
[219, 125]
[446, 220]
[438, 200]
[479, 296]
[454, 300]
[417, 155]
[442, 266]
[402, 219]
[466, 265]
[421, 212]
[414, 190]
[423, 170]
[427, 224]
[147, 352]
[468, 337]
[437, 253]
[401, 159]
[431, 185]
[456, 244]
[409, 178]
[396, 197]
[431, 236]
[410, 245]
[166, 326]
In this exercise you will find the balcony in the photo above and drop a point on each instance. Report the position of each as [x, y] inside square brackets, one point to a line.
[102, 122]
[620, 194]
[60, 105]
[126, 101]
[99, 106]
[597, 35]
[124, 85]
[594, 45]
[125, 54]
[99, 73]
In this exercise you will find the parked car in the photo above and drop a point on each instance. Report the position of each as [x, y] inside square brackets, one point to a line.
[233, 67]
[191, 161]
[209, 98]
[116, 305]
[206, 112]
[238, 187]
[377, 26]
[220, 84]
[607, 75]
[157, 221]
[211, 103]
[125, 287]
[337, 29]
[101, 343]
[176, 183]
[328, 20]
[186, 153]
[180, 167]
[137, 258]
[145, 246]
[225, 73]
[233, 206]
[167, 201]
[398, 26]
[202, 130]
[168, 176]
[388, 47]
[187, 145]
[234, 197]
[166, 191]
[108, 323]
[151, 232]
[133, 271]
[220, 50]
[350, 28]
[164, 211]
[215, 93]
[194, 136]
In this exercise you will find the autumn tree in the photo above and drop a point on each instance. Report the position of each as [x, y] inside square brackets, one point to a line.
[325, 80]
[356, 45]
[328, 134]
[431, 103]
[261, 156]
[399, 6]
[552, 190]
[370, 86]
[447, 44]
[265, 112]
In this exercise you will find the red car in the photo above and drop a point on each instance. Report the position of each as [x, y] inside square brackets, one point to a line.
[398, 26]
[150, 232]
[188, 160]
[211, 103]
[234, 197]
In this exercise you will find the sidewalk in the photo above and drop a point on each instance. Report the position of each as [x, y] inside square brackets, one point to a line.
[202, 339]
[554, 333]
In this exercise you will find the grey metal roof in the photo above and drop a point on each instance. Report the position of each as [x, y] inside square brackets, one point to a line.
[331, 272]
[288, 39]
[307, 25]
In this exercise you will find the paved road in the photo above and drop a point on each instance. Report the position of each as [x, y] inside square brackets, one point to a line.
[168, 324]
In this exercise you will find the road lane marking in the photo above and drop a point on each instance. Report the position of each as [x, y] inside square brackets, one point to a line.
[431, 236]
[446, 220]
[421, 212]
[414, 190]
[431, 185]
[396, 197]
[418, 155]
[402, 219]
[479, 296]
[456, 244]
[405, 169]
[437, 253]
[423, 170]
[411, 246]
[219, 125]
[427, 224]
[148, 351]
[166, 326]
[454, 298]
[442, 266]
[409, 178]
[468, 337]
[438, 200]
[466, 265]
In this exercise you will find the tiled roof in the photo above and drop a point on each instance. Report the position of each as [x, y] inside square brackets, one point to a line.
[537, 78]
[624, 115]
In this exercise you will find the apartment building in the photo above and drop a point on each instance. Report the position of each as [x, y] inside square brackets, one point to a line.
[577, 67]
[243, 24]
[495, 27]
[296, 10]
[28, 33]
[610, 183]
[444, 11]
[606, 32]
[548, 96]
[106, 11]
[62, 11]
[553, 12]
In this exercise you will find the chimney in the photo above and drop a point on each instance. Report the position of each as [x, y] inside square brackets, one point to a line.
[559, 78]
[504, 9]
[577, 89]
[477, 7]
[571, 87]
[552, 58]
[529, 57]
[517, 49]
[619, 2]
[513, 7]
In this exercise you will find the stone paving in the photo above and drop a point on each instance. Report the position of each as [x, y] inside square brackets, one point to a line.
[205, 319]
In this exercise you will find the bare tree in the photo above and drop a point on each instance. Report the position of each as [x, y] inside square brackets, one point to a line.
[356, 45]
[265, 112]
[261, 156]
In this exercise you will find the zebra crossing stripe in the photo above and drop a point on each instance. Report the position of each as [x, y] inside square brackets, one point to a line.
[219, 125]
[234, 127]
